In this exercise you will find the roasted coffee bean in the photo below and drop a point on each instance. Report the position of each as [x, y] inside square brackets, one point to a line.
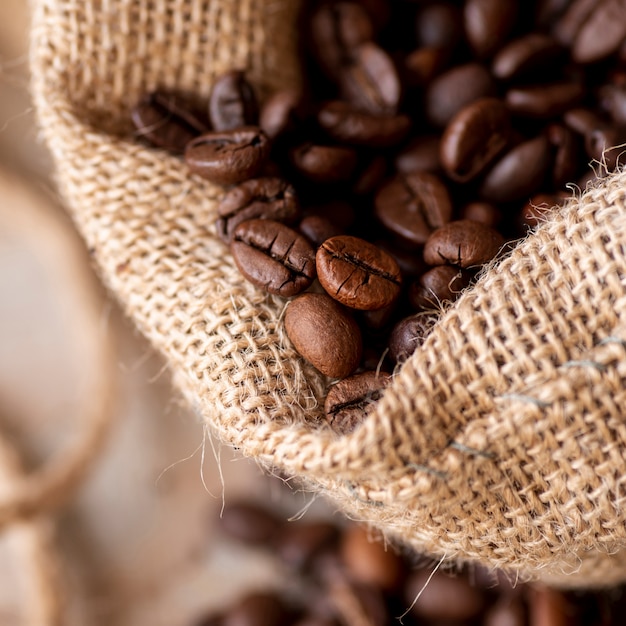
[297, 545]
[419, 155]
[436, 592]
[370, 177]
[264, 198]
[488, 24]
[544, 101]
[534, 52]
[602, 33]
[258, 609]
[357, 273]
[324, 164]
[538, 209]
[474, 138]
[344, 122]
[463, 243]
[370, 80]
[519, 173]
[317, 228]
[341, 214]
[612, 100]
[483, 212]
[606, 145]
[409, 259]
[248, 523]
[232, 103]
[273, 257]
[368, 560]
[324, 334]
[166, 121]
[348, 401]
[412, 206]
[508, 611]
[439, 24]
[281, 113]
[422, 65]
[408, 334]
[455, 89]
[230, 157]
[439, 284]
[567, 156]
[549, 607]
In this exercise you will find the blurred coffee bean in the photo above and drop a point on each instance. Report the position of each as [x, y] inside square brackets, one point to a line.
[280, 113]
[262, 608]
[357, 273]
[166, 121]
[324, 164]
[474, 138]
[508, 611]
[483, 212]
[298, 544]
[439, 284]
[544, 101]
[229, 157]
[419, 155]
[602, 33]
[413, 205]
[266, 198]
[439, 24]
[408, 334]
[549, 607]
[369, 179]
[567, 156]
[317, 229]
[423, 64]
[248, 523]
[527, 55]
[572, 20]
[488, 24]
[232, 103]
[455, 89]
[463, 243]
[349, 400]
[538, 209]
[324, 334]
[612, 100]
[519, 173]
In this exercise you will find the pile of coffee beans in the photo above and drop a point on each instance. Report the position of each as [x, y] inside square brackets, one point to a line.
[430, 135]
[338, 574]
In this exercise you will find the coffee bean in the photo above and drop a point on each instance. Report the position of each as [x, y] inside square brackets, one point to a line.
[324, 334]
[273, 257]
[455, 89]
[357, 273]
[606, 145]
[248, 523]
[506, 612]
[544, 101]
[297, 545]
[348, 401]
[370, 80]
[412, 206]
[612, 100]
[439, 25]
[230, 157]
[408, 334]
[266, 198]
[317, 228]
[488, 24]
[483, 212]
[439, 284]
[602, 33]
[422, 65]
[343, 122]
[538, 209]
[257, 609]
[527, 55]
[474, 138]
[519, 173]
[166, 121]
[409, 259]
[567, 156]
[370, 177]
[572, 19]
[419, 155]
[281, 112]
[463, 243]
[549, 607]
[232, 103]
[324, 164]
[368, 560]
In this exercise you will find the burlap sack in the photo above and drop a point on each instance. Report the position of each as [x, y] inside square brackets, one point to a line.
[501, 442]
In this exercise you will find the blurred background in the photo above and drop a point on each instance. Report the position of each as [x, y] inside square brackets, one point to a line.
[136, 543]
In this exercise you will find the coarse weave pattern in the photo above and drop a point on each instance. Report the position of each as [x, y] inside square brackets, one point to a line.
[502, 441]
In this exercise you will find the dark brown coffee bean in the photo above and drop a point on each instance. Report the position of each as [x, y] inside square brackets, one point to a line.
[474, 138]
[567, 156]
[257, 609]
[368, 560]
[422, 65]
[324, 164]
[409, 259]
[526, 55]
[436, 594]
[230, 157]
[273, 257]
[572, 20]
[370, 177]
[341, 214]
[439, 25]
[602, 33]
[549, 607]
[166, 121]
[442, 283]
[357, 273]
[544, 101]
[483, 212]
[519, 173]
[377, 320]
[455, 89]
[263, 198]
[408, 334]
[463, 243]
[280, 113]
[370, 80]
[348, 401]
[317, 228]
[612, 100]
[412, 206]
[507, 611]
[420, 155]
[248, 523]
[232, 103]
[606, 145]
[583, 121]
[488, 24]
[324, 334]
[345, 123]
[298, 544]
[538, 209]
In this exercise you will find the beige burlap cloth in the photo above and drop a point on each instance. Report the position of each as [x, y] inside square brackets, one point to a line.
[502, 441]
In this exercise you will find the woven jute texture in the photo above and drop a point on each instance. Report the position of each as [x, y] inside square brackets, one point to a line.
[502, 441]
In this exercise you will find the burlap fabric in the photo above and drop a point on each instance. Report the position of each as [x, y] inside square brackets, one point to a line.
[501, 441]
